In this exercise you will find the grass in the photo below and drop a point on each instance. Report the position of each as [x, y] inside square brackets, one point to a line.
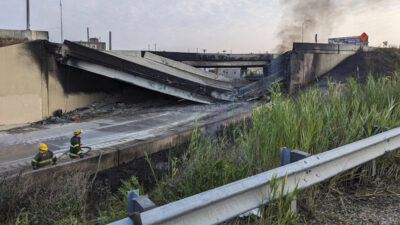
[63, 201]
[314, 121]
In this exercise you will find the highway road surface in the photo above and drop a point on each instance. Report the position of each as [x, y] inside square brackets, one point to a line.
[18, 146]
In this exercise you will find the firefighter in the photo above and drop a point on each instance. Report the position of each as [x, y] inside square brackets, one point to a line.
[44, 158]
[75, 150]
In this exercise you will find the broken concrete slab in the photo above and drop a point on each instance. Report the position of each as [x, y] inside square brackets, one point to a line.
[176, 69]
[144, 73]
[184, 67]
[139, 81]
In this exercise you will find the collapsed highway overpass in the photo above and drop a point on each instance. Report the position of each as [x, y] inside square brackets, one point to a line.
[194, 85]
[41, 77]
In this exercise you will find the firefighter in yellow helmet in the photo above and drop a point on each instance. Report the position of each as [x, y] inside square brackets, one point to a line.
[75, 150]
[44, 158]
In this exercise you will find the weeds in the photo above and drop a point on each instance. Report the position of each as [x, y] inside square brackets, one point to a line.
[117, 208]
[278, 210]
[315, 121]
[62, 201]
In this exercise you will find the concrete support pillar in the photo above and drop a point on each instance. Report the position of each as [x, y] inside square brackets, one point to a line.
[243, 71]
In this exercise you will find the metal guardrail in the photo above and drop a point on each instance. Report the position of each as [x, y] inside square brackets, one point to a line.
[228, 201]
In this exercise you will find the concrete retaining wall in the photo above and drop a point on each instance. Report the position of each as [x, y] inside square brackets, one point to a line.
[307, 67]
[21, 86]
[33, 85]
[310, 61]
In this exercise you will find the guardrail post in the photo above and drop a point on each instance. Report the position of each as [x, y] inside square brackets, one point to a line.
[136, 204]
[293, 204]
[141, 204]
[132, 195]
[285, 156]
[289, 156]
[374, 167]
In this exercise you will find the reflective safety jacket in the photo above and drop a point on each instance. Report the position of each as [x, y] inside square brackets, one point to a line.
[43, 159]
[75, 148]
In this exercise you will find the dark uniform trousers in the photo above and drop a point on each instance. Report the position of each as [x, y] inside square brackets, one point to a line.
[75, 148]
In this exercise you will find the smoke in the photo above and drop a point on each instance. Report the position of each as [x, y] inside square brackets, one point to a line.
[314, 16]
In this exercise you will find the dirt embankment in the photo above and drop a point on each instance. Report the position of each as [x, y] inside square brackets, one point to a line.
[377, 202]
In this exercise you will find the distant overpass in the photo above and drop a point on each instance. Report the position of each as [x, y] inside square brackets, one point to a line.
[219, 59]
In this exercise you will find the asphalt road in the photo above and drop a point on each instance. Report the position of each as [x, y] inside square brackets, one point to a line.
[18, 147]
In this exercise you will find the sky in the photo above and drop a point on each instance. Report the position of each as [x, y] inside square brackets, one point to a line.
[238, 26]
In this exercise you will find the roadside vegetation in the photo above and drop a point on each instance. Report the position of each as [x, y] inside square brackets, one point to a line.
[314, 121]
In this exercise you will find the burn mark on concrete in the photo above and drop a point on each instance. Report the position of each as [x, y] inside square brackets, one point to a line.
[74, 81]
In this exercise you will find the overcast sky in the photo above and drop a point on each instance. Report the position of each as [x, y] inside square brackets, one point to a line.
[184, 25]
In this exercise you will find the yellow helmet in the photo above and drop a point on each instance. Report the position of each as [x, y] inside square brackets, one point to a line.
[43, 147]
[78, 131]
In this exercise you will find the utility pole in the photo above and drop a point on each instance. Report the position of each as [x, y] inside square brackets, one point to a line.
[62, 36]
[87, 31]
[302, 32]
[28, 23]
[155, 47]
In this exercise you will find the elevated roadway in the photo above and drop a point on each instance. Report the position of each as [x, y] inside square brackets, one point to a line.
[219, 59]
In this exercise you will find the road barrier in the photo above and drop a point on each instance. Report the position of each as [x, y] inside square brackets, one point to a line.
[228, 201]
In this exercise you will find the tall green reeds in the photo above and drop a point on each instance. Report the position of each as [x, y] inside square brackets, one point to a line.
[314, 121]
[318, 121]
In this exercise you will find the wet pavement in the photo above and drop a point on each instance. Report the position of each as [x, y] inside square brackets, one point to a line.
[17, 148]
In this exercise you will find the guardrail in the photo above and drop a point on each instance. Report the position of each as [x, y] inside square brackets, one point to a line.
[228, 201]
